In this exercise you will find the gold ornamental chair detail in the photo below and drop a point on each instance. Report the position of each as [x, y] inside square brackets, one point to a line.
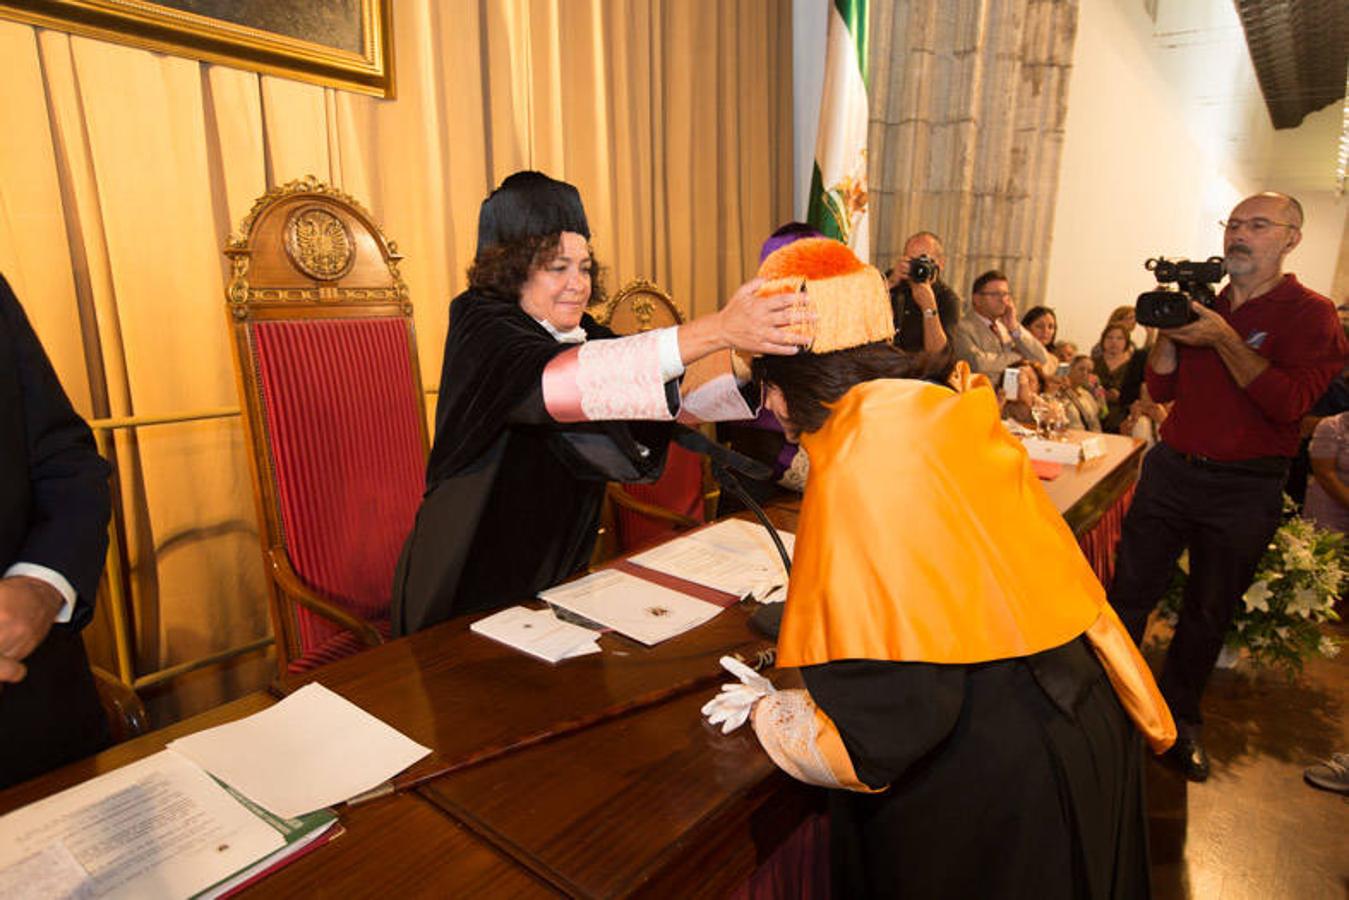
[333, 411]
[639, 306]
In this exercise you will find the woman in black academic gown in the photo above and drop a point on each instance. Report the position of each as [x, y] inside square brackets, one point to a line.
[540, 406]
[969, 694]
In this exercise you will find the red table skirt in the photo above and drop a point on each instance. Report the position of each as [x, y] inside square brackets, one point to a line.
[1098, 542]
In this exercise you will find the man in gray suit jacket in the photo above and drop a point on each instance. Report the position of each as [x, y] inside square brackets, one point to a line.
[989, 337]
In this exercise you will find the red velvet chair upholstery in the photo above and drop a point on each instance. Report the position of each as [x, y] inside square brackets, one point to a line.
[334, 415]
[645, 514]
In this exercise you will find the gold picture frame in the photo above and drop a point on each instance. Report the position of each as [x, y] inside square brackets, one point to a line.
[346, 44]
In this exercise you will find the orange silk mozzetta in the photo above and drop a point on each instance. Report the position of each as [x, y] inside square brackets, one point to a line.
[925, 536]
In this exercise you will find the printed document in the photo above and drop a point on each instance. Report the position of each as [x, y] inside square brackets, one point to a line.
[733, 556]
[632, 606]
[159, 827]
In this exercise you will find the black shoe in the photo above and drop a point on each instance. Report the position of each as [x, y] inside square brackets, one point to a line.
[1188, 756]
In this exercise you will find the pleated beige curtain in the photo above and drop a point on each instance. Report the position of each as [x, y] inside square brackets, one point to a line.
[968, 102]
[123, 173]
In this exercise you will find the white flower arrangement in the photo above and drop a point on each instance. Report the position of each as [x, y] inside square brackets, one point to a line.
[1296, 585]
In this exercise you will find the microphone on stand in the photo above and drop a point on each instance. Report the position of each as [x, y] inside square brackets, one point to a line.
[725, 463]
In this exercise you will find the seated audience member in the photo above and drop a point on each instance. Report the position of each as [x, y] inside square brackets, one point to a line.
[1041, 322]
[1145, 418]
[958, 658]
[1030, 384]
[1120, 370]
[1335, 400]
[1327, 501]
[1082, 396]
[539, 406]
[54, 510]
[989, 337]
[1127, 317]
[926, 313]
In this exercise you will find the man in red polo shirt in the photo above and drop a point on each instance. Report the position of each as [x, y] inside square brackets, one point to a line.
[1242, 376]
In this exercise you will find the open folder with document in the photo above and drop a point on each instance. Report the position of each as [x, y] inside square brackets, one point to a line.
[215, 810]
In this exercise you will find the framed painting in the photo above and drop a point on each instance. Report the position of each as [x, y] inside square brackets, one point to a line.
[345, 44]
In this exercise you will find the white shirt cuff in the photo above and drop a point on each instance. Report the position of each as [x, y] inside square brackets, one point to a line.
[671, 364]
[52, 577]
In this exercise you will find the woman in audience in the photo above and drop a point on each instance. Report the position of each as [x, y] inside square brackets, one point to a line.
[1120, 370]
[1030, 384]
[957, 651]
[1082, 396]
[1044, 324]
[1127, 317]
[1145, 417]
[1327, 501]
[539, 407]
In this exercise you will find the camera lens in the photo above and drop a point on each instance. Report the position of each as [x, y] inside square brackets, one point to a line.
[922, 269]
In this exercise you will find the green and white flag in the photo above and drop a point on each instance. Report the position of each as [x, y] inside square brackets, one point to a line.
[838, 188]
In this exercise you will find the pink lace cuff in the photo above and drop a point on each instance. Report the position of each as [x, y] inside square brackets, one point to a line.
[607, 380]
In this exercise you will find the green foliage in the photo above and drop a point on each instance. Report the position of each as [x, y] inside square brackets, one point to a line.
[1296, 585]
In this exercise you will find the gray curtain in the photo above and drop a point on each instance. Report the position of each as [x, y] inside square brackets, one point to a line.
[968, 101]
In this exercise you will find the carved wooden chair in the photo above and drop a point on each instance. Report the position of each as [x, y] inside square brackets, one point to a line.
[333, 412]
[681, 498]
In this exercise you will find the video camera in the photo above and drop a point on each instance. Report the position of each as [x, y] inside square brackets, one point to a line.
[1170, 308]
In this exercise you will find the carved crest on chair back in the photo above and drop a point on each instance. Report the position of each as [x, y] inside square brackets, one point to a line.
[298, 246]
[639, 306]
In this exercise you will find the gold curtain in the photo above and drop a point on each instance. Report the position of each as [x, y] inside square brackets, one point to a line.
[968, 102]
[124, 171]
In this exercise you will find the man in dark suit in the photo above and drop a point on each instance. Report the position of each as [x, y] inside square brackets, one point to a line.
[54, 510]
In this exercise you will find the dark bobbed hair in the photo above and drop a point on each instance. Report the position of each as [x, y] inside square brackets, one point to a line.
[990, 275]
[1036, 313]
[502, 269]
[809, 381]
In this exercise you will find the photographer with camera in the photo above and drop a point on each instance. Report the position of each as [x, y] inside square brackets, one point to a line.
[926, 310]
[1242, 373]
[989, 337]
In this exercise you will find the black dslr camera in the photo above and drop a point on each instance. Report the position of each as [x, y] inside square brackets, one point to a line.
[922, 268]
[1170, 308]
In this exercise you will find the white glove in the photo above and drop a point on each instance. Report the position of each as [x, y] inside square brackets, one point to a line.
[730, 709]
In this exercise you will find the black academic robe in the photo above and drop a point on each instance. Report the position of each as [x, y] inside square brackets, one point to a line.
[54, 510]
[1013, 778]
[513, 497]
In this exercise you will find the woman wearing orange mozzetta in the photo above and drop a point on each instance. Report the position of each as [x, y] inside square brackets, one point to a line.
[968, 690]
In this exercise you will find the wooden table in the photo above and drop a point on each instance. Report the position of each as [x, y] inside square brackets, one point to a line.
[593, 777]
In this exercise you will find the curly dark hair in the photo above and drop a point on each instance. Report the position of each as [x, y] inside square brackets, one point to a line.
[810, 381]
[502, 269]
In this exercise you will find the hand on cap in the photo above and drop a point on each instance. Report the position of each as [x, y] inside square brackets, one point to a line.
[765, 324]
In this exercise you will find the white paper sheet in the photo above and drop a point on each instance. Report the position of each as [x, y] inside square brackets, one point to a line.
[539, 633]
[313, 749]
[733, 555]
[159, 827]
[643, 611]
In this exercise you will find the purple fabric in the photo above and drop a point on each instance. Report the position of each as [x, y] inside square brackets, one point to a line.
[1330, 440]
[792, 231]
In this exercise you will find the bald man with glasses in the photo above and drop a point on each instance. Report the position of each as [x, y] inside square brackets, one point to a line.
[1241, 376]
[989, 337]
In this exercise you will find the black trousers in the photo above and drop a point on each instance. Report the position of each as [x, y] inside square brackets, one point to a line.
[1225, 515]
[53, 716]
